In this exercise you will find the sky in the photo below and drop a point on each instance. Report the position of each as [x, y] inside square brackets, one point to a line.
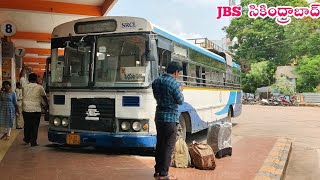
[185, 18]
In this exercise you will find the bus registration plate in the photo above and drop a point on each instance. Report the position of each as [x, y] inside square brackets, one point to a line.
[73, 139]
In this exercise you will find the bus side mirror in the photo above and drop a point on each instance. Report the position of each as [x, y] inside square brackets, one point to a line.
[152, 49]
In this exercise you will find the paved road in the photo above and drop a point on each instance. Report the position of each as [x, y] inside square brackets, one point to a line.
[302, 124]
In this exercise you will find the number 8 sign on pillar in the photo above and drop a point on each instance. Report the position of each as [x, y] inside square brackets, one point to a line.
[8, 28]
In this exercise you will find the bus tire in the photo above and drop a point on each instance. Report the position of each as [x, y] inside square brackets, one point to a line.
[182, 131]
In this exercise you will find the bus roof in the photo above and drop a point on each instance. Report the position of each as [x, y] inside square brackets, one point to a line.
[140, 23]
[235, 65]
[179, 40]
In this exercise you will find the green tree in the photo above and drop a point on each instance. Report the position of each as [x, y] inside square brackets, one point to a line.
[309, 74]
[284, 86]
[263, 39]
[261, 74]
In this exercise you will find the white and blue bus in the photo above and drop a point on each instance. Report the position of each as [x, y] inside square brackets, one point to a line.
[100, 83]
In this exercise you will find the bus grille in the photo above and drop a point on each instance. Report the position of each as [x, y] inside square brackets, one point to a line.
[93, 114]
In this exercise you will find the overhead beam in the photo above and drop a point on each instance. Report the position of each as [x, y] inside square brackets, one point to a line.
[34, 60]
[36, 66]
[46, 37]
[41, 51]
[52, 7]
[107, 6]
[38, 72]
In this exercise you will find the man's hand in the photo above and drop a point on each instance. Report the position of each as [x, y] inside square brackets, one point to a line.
[23, 70]
[181, 88]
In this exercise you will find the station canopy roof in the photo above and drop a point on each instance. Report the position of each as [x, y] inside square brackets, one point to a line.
[35, 20]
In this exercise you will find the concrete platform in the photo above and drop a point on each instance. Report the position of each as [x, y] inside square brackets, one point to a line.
[250, 160]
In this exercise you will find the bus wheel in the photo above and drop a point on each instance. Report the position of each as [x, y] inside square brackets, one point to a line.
[182, 131]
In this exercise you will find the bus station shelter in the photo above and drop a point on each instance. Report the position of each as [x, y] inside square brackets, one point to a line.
[26, 27]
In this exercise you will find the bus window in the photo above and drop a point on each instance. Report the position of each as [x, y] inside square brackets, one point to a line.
[121, 61]
[193, 76]
[185, 72]
[203, 75]
[164, 59]
[73, 69]
[198, 75]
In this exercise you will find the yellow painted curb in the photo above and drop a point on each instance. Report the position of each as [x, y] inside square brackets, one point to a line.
[274, 166]
[5, 144]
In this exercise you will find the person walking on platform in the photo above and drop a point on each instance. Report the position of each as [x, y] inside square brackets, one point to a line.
[19, 118]
[168, 95]
[32, 96]
[8, 109]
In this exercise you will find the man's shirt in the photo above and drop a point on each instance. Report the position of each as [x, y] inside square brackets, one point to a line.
[168, 96]
[32, 96]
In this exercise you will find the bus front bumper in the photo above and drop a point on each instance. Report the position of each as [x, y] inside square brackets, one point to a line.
[105, 140]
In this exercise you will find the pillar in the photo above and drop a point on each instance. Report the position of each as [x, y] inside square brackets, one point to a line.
[0, 62]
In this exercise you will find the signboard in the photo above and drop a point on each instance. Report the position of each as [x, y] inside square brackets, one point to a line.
[8, 28]
[95, 26]
[7, 50]
[20, 52]
[132, 73]
[6, 69]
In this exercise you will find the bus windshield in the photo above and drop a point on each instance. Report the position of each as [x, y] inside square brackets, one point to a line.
[73, 69]
[121, 61]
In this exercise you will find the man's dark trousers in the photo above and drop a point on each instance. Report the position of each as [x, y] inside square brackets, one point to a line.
[166, 140]
[31, 126]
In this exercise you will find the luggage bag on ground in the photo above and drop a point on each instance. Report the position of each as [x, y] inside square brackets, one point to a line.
[180, 156]
[202, 156]
[219, 138]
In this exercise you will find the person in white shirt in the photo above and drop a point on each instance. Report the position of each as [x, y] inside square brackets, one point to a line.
[33, 94]
[19, 118]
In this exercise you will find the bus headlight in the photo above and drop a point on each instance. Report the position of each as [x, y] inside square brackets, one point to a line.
[136, 126]
[125, 125]
[57, 121]
[65, 122]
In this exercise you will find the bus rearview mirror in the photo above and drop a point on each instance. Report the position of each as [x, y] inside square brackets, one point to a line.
[152, 51]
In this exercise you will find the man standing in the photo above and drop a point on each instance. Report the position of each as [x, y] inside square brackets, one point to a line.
[168, 95]
[33, 94]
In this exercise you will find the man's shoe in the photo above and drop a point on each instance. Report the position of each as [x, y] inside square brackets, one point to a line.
[4, 136]
[155, 175]
[34, 145]
[167, 178]
[25, 142]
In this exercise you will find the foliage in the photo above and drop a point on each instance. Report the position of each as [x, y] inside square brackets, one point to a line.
[284, 86]
[264, 40]
[309, 74]
[261, 74]
[318, 88]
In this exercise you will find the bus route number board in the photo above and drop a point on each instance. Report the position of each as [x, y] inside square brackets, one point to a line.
[73, 139]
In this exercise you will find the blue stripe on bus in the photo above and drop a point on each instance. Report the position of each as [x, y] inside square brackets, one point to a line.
[106, 140]
[188, 44]
[197, 124]
[231, 101]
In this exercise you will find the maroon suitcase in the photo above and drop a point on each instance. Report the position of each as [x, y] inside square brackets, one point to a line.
[202, 156]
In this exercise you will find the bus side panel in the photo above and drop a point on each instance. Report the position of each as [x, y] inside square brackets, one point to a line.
[197, 123]
[205, 106]
[231, 101]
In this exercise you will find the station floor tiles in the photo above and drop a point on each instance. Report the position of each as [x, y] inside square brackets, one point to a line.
[21, 162]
